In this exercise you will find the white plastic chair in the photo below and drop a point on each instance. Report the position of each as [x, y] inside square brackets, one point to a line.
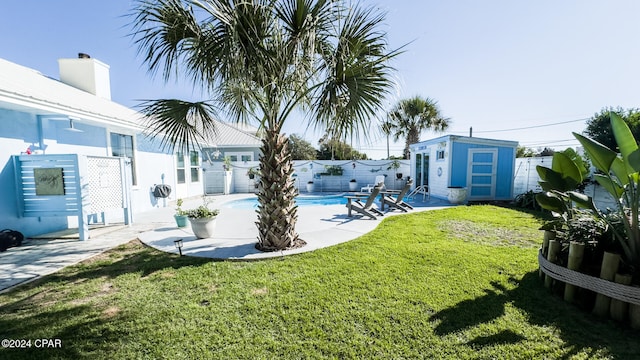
[379, 179]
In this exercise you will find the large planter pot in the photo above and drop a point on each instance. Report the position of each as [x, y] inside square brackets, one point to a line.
[457, 195]
[181, 220]
[310, 187]
[353, 185]
[203, 227]
[228, 182]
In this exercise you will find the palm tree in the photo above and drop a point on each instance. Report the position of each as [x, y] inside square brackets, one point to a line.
[410, 117]
[259, 60]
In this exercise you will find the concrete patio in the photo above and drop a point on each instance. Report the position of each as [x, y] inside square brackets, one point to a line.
[235, 237]
[236, 233]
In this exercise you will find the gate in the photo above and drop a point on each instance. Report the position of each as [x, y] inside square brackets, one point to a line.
[214, 182]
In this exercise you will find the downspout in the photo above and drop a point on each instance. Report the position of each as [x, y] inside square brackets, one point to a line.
[41, 145]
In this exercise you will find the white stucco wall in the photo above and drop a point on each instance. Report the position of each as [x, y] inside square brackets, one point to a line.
[439, 169]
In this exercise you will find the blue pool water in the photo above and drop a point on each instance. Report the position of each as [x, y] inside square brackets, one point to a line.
[252, 203]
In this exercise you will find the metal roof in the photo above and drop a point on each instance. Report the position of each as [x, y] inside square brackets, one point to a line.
[229, 135]
[466, 139]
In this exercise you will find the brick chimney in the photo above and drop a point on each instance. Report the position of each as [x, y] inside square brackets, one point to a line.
[86, 74]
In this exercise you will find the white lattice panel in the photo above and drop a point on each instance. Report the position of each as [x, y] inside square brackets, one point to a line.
[105, 183]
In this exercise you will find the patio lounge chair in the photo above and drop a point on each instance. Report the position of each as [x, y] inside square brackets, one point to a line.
[397, 202]
[379, 180]
[355, 203]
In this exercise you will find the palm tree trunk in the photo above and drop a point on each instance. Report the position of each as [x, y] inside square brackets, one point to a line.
[277, 212]
[413, 136]
[388, 156]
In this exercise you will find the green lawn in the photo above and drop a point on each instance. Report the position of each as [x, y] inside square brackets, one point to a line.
[456, 283]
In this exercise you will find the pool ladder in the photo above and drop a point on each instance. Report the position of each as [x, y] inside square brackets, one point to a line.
[422, 189]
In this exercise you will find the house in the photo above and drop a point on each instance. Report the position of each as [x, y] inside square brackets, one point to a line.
[239, 147]
[484, 167]
[70, 156]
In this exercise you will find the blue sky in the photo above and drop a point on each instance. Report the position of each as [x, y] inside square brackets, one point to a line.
[492, 65]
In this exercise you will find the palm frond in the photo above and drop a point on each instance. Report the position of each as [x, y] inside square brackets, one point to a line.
[419, 114]
[358, 75]
[180, 125]
[163, 29]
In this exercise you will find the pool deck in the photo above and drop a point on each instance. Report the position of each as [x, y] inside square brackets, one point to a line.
[236, 233]
[235, 237]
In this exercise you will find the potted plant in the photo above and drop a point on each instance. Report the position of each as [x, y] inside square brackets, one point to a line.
[226, 163]
[395, 165]
[353, 185]
[252, 172]
[309, 186]
[203, 220]
[180, 216]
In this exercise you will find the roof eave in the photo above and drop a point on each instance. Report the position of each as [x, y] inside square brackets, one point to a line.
[44, 107]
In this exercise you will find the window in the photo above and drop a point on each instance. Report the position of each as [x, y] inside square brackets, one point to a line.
[194, 161]
[440, 155]
[180, 175]
[242, 156]
[122, 146]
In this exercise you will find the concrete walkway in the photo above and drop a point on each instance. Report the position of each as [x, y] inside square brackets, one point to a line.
[235, 237]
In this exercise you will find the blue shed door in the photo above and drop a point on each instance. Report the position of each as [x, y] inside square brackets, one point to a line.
[481, 174]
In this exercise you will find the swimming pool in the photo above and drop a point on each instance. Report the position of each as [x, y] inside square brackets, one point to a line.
[306, 200]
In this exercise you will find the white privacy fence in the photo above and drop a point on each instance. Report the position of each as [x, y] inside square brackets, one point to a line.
[526, 179]
[327, 175]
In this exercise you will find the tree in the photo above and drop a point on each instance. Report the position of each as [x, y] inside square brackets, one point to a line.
[338, 150]
[599, 126]
[546, 152]
[301, 149]
[387, 128]
[410, 117]
[259, 60]
[523, 151]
